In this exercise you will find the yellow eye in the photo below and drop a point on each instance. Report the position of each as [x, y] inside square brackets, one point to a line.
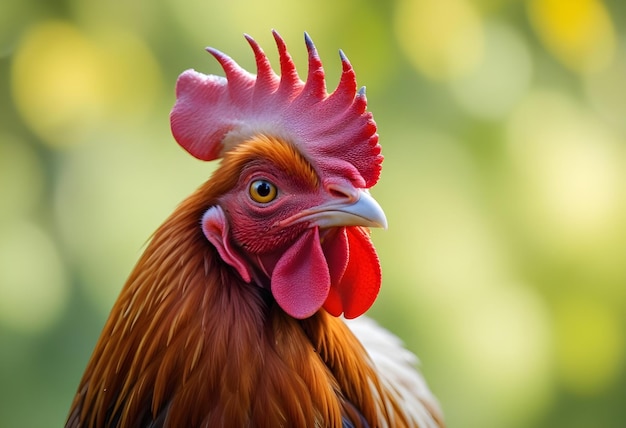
[262, 191]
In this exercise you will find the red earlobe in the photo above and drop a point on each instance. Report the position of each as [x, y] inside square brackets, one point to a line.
[215, 228]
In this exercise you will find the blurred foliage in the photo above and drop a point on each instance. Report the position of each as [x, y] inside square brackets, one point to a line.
[503, 124]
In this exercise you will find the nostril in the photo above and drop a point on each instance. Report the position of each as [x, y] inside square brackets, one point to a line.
[337, 193]
[341, 192]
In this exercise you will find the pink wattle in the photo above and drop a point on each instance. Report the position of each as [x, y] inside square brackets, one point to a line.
[300, 279]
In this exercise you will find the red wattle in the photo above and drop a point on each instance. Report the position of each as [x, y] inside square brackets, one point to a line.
[360, 283]
[337, 252]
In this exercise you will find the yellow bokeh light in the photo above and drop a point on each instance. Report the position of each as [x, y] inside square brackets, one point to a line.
[67, 84]
[589, 345]
[56, 82]
[570, 173]
[579, 33]
[442, 38]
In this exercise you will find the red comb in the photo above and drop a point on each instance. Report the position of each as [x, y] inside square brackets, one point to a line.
[334, 131]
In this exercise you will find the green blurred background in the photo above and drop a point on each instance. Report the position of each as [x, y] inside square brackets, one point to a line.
[503, 124]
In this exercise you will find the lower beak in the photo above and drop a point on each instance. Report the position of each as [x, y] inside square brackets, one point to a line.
[365, 211]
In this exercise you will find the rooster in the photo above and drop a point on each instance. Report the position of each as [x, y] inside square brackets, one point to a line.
[242, 311]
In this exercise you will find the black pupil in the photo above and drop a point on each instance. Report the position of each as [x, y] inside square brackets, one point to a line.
[263, 188]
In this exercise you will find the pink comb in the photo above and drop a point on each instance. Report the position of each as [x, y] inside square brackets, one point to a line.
[333, 131]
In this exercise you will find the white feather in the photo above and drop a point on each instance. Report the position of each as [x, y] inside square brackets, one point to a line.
[397, 369]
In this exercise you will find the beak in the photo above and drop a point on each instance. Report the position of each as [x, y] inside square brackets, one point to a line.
[360, 209]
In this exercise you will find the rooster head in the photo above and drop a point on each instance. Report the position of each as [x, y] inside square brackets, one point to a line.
[293, 204]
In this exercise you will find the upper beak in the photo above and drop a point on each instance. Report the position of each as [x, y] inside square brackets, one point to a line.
[360, 209]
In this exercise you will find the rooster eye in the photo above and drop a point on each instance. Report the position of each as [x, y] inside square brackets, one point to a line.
[262, 191]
